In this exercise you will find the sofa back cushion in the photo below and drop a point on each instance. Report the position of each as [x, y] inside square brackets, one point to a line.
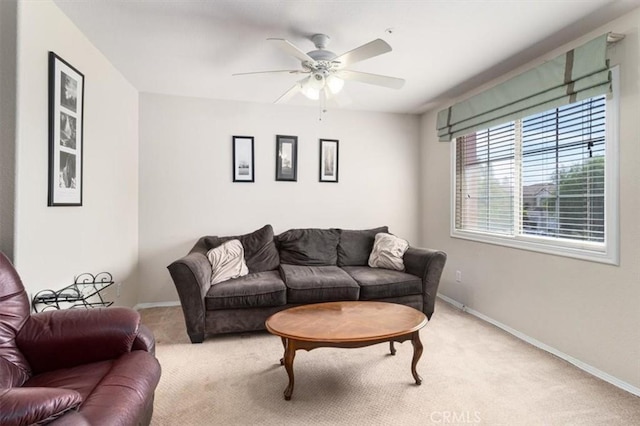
[355, 247]
[309, 247]
[260, 252]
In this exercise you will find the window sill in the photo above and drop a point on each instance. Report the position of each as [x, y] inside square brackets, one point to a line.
[582, 251]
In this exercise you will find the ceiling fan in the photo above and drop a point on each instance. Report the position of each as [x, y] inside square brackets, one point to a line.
[325, 72]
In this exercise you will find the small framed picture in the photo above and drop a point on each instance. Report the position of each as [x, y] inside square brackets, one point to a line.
[329, 160]
[243, 159]
[286, 158]
[66, 125]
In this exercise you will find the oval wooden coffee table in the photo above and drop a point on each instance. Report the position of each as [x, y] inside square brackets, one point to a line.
[346, 325]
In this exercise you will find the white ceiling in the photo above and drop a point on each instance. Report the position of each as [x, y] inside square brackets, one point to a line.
[442, 48]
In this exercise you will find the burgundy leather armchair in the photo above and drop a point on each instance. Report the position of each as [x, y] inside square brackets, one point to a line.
[72, 367]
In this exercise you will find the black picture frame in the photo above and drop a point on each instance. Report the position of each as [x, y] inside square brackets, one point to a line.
[243, 159]
[329, 160]
[66, 129]
[286, 158]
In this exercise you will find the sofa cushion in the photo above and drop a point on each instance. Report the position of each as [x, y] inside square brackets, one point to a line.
[251, 291]
[260, 250]
[388, 251]
[113, 392]
[355, 247]
[313, 284]
[310, 247]
[31, 405]
[378, 283]
[227, 261]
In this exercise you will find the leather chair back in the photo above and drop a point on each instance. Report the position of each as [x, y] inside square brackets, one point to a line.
[14, 312]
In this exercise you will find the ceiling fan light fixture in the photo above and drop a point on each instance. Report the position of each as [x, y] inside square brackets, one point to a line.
[310, 92]
[334, 84]
[316, 80]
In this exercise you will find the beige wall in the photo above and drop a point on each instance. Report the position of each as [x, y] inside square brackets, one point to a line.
[186, 188]
[53, 244]
[589, 311]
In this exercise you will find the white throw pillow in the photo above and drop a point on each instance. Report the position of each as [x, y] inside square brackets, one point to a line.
[227, 261]
[387, 252]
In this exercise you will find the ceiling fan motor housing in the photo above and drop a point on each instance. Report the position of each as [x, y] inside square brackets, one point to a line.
[322, 55]
[323, 58]
[320, 40]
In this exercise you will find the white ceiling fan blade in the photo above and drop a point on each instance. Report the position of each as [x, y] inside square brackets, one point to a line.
[366, 51]
[290, 93]
[288, 47]
[269, 72]
[377, 79]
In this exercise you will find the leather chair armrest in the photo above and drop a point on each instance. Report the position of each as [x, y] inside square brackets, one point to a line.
[59, 339]
[192, 278]
[427, 264]
[28, 406]
[145, 340]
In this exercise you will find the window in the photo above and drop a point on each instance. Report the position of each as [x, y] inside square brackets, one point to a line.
[547, 182]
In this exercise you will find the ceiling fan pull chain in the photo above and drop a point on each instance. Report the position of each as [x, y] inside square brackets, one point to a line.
[323, 103]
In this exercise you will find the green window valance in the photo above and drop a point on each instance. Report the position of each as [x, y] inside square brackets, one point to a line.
[579, 74]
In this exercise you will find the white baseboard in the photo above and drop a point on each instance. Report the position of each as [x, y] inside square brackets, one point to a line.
[155, 305]
[581, 365]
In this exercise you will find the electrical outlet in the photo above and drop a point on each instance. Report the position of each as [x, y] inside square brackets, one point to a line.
[118, 289]
[458, 276]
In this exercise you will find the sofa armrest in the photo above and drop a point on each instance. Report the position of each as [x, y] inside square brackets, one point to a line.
[427, 264]
[145, 340]
[192, 278]
[28, 406]
[59, 339]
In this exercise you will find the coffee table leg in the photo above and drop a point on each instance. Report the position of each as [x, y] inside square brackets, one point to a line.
[417, 353]
[284, 344]
[392, 348]
[289, 355]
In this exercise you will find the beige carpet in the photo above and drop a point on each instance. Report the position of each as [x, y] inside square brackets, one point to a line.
[473, 373]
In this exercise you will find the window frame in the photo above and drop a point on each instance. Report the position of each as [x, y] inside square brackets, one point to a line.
[607, 252]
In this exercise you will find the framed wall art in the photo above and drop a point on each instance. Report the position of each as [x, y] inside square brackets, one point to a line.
[286, 158]
[243, 159]
[66, 125]
[328, 160]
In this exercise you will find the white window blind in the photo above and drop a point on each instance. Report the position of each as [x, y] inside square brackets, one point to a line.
[563, 153]
[538, 182]
[486, 168]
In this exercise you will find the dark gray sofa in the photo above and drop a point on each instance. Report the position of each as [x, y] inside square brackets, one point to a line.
[299, 266]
